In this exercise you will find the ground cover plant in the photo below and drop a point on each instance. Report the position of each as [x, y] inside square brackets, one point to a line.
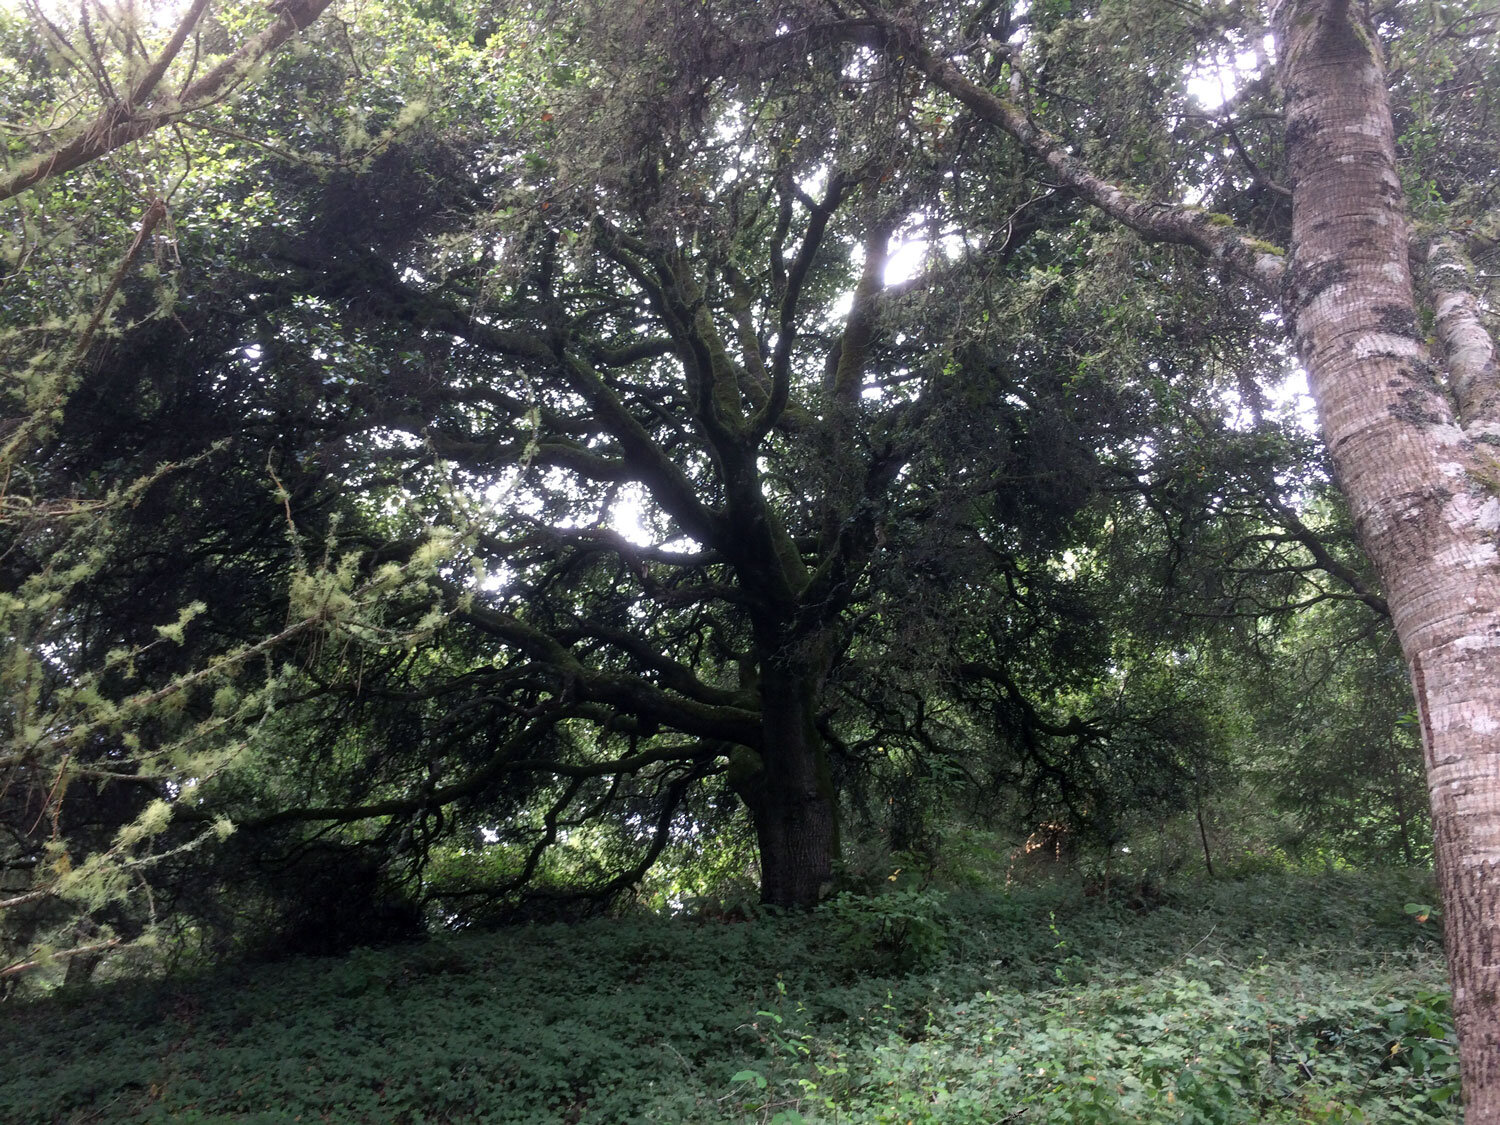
[1278, 998]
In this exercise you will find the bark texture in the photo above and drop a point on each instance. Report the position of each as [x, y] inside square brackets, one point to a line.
[1422, 492]
[1473, 378]
[791, 796]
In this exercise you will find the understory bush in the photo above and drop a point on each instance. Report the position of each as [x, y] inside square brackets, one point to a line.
[1279, 999]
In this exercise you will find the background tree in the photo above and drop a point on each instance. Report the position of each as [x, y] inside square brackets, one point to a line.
[707, 330]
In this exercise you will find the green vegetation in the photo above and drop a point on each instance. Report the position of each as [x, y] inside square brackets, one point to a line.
[811, 584]
[1281, 998]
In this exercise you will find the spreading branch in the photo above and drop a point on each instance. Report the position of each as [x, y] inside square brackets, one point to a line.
[1259, 263]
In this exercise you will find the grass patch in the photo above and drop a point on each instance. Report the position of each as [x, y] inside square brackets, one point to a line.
[1280, 999]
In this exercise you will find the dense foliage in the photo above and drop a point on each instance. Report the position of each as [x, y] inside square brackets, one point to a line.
[538, 464]
[1309, 999]
[466, 463]
[494, 460]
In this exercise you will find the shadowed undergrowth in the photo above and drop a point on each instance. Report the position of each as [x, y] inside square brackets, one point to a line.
[1274, 999]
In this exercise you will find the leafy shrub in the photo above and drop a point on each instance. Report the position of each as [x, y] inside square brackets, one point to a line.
[898, 931]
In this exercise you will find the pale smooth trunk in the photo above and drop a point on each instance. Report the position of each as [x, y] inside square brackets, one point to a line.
[1421, 491]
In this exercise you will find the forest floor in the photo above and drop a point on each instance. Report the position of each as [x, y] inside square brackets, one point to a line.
[1274, 999]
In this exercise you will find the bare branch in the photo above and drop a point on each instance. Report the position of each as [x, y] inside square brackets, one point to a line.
[23, 966]
[122, 121]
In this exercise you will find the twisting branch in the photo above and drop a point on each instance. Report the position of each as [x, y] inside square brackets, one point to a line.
[125, 120]
[147, 84]
[1257, 173]
[1324, 558]
[693, 716]
[791, 293]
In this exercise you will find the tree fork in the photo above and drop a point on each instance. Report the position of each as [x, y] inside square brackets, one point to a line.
[139, 115]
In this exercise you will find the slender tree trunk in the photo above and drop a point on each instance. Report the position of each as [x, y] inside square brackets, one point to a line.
[1208, 859]
[1421, 491]
[792, 798]
[1398, 802]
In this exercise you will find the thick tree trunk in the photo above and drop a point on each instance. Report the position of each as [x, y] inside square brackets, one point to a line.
[1423, 494]
[796, 834]
[791, 795]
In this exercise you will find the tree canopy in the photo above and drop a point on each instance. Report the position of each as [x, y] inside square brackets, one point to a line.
[461, 457]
